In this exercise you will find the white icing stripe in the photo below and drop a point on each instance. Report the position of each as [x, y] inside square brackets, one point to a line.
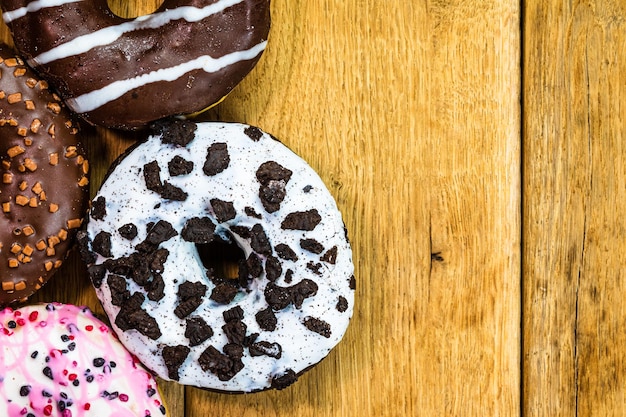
[110, 34]
[98, 98]
[33, 6]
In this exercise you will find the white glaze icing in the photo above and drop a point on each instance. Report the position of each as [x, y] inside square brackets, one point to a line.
[110, 34]
[129, 201]
[48, 365]
[33, 6]
[97, 98]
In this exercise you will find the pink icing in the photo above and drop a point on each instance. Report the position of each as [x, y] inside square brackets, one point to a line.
[59, 360]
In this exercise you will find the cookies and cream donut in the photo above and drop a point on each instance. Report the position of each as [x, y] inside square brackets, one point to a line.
[166, 203]
[123, 73]
[60, 360]
[45, 175]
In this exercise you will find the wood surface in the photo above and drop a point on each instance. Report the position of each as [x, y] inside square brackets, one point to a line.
[475, 150]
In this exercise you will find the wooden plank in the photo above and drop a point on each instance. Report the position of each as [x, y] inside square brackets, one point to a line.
[574, 362]
[409, 110]
[411, 115]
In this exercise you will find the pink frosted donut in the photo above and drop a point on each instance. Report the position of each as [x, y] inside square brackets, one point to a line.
[59, 360]
[123, 73]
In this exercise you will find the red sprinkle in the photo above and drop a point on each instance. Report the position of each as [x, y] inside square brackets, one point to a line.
[47, 410]
[33, 315]
[89, 327]
[123, 398]
[72, 377]
[20, 321]
[87, 406]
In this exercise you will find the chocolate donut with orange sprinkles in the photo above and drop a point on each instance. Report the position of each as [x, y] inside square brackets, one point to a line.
[45, 175]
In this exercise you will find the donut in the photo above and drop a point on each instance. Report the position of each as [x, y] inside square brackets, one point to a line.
[123, 73]
[44, 192]
[191, 190]
[59, 360]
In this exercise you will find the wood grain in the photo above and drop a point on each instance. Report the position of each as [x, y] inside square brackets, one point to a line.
[574, 111]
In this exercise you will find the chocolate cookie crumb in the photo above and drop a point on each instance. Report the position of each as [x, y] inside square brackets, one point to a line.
[179, 166]
[301, 220]
[259, 241]
[224, 210]
[273, 350]
[273, 268]
[175, 131]
[223, 293]
[312, 246]
[266, 319]
[119, 289]
[174, 356]
[330, 256]
[342, 304]
[252, 212]
[187, 307]
[285, 252]
[198, 230]
[152, 176]
[98, 208]
[219, 364]
[253, 133]
[172, 192]
[318, 326]
[197, 331]
[217, 159]
[102, 244]
[128, 231]
[283, 381]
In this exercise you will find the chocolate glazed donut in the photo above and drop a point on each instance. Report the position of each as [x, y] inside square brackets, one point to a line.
[45, 176]
[123, 73]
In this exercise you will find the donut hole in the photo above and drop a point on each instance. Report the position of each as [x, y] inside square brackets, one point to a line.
[133, 9]
[222, 257]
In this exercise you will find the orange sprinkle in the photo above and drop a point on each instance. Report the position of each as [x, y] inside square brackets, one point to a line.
[30, 164]
[22, 200]
[62, 234]
[11, 62]
[31, 82]
[7, 178]
[83, 181]
[37, 189]
[20, 286]
[15, 150]
[28, 250]
[86, 167]
[28, 141]
[23, 185]
[30, 105]
[13, 263]
[58, 263]
[22, 131]
[16, 248]
[48, 265]
[74, 223]
[28, 230]
[41, 245]
[50, 252]
[70, 152]
[32, 202]
[19, 72]
[53, 241]
[53, 158]
[54, 107]
[43, 85]
[6, 207]
[35, 125]
[42, 196]
[53, 208]
[8, 286]
[14, 98]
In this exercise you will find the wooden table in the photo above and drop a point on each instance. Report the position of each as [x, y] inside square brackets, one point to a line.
[476, 149]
